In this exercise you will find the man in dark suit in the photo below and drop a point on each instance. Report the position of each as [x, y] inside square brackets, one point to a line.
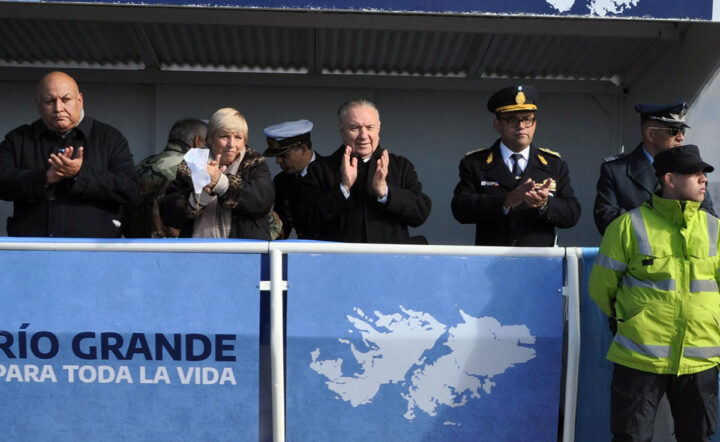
[363, 193]
[290, 144]
[515, 193]
[626, 181]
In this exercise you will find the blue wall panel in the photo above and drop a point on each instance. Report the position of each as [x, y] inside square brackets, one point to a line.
[423, 348]
[205, 299]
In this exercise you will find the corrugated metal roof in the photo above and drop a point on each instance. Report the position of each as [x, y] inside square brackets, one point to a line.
[322, 50]
[584, 58]
[388, 52]
[230, 47]
[32, 41]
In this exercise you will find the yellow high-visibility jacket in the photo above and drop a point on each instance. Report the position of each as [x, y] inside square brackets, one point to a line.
[657, 271]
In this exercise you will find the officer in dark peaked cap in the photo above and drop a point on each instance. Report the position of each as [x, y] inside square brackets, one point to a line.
[516, 194]
[290, 144]
[628, 180]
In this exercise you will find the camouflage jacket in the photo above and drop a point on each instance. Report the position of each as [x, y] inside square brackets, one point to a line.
[155, 172]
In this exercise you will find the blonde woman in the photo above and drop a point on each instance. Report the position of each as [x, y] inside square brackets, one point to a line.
[236, 202]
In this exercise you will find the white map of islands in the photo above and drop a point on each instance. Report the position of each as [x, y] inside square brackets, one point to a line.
[477, 350]
[596, 7]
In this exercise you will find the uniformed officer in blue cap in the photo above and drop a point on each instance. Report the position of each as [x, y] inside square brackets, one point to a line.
[628, 180]
[515, 193]
[290, 144]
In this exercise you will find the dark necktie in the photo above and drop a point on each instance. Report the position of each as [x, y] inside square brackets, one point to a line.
[516, 171]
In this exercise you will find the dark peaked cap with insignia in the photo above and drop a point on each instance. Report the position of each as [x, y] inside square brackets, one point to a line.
[522, 97]
[672, 114]
[284, 136]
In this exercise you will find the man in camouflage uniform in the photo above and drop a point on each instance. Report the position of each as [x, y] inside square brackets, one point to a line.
[156, 172]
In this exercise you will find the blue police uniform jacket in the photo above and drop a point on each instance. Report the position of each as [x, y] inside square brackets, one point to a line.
[626, 182]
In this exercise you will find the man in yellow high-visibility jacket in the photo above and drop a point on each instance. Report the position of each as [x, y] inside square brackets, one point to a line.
[657, 274]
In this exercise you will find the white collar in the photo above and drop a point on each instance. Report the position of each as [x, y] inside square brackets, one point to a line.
[304, 171]
[506, 152]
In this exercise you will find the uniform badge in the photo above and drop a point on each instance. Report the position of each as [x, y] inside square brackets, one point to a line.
[489, 158]
[551, 189]
[520, 98]
[553, 186]
[549, 152]
[614, 157]
[542, 160]
[475, 151]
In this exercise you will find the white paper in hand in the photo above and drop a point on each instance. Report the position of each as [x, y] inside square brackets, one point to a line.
[196, 159]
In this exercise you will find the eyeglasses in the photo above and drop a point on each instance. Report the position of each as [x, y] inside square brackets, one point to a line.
[513, 121]
[674, 131]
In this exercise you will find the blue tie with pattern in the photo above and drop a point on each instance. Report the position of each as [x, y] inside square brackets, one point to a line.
[516, 171]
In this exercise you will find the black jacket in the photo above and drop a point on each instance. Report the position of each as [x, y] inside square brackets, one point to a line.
[484, 183]
[626, 182]
[361, 218]
[84, 206]
[289, 205]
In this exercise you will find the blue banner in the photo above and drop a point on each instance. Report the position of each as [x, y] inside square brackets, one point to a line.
[423, 348]
[593, 403]
[680, 9]
[129, 346]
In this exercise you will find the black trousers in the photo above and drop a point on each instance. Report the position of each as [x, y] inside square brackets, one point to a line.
[635, 396]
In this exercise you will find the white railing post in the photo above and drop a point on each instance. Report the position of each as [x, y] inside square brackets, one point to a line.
[277, 359]
[573, 354]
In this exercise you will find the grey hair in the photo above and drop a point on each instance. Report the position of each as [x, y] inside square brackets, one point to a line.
[186, 130]
[361, 102]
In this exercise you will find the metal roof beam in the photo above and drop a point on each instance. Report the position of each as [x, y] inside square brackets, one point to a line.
[143, 46]
[315, 43]
[478, 55]
[654, 50]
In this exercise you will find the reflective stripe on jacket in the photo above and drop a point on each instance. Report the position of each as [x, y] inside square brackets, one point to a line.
[657, 271]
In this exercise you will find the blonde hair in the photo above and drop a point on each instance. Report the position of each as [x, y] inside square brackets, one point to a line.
[229, 120]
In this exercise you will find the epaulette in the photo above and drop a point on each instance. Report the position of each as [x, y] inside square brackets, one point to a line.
[614, 157]
[476, 151]
[549, 152]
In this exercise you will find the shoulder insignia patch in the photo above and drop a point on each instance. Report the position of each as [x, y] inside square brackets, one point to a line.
[475, 151]
[614, 157]
[549, 152]
[542, 159]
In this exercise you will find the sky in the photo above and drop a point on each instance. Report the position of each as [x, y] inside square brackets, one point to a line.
[704, 121]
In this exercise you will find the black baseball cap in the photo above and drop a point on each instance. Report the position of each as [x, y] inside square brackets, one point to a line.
[682, 159]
